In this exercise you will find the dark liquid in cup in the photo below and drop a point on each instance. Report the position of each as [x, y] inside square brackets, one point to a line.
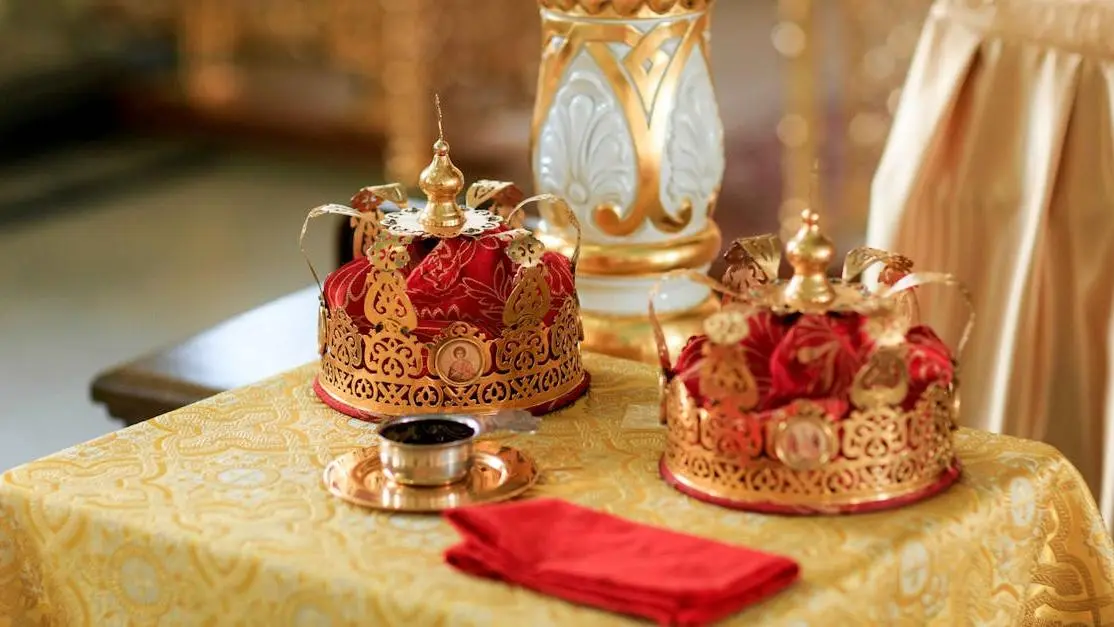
[432, 431]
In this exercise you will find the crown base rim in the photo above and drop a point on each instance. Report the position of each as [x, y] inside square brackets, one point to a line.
[535, 406]
[770, 504]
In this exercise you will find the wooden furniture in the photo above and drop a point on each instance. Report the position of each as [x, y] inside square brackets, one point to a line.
[255, 345]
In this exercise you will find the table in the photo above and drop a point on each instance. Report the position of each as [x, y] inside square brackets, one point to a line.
[216, 514]
[257, 344]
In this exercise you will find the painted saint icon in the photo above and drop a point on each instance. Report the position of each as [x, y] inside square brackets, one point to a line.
[804, 443]
[459, 362]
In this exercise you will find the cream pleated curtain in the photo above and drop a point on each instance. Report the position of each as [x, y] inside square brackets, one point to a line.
[1000, 168]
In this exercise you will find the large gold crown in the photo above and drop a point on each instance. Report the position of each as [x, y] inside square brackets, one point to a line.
[450, 307]
[812, 395]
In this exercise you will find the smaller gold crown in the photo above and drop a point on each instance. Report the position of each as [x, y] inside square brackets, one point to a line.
[449, 307]
[812, 395]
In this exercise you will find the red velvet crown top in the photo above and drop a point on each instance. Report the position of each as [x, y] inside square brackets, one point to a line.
[816, 357]
[462, 279]
[812, 340]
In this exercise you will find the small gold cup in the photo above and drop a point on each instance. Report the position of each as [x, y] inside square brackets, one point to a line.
[433, 450]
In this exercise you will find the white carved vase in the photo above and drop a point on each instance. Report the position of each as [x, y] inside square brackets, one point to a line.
[626, 128]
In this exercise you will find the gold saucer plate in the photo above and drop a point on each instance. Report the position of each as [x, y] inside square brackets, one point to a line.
[498, 473]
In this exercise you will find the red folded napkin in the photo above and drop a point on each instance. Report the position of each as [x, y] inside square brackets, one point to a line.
[589, 557]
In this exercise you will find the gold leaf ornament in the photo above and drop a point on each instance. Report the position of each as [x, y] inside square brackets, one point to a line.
[529, 300]
[725, 377]
[859, 260]
[883, 381]
[387, 304]
[389, 252]
[370, 199]
[728, 326]
[752, 262]
[525, 250]
[504, 196]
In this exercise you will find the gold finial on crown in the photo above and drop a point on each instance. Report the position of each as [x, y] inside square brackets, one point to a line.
[810, 252]
[442, 182]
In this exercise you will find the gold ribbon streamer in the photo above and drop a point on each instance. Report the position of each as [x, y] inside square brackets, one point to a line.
[655, 323]
[316, 212]
[564, 207]
[859, 260]
[918, 279]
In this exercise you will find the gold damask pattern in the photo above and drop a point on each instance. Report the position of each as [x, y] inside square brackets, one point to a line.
[216, 515]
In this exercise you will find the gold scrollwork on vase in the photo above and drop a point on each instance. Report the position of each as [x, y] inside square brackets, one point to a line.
[626, 8]
[626, 126]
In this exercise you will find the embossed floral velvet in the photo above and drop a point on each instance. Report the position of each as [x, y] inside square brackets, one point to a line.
[810, 356]
[462, 279]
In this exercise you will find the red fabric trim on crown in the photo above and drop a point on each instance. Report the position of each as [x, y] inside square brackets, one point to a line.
[348, 286]
[817, 357]
[766, 331]
[462, 279]
[929, 361]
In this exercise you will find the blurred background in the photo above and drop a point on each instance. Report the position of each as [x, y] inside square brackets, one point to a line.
[157, 156]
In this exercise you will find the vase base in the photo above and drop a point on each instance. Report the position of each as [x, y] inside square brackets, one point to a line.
[631, 337]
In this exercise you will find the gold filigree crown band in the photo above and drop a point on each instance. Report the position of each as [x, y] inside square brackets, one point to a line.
[884, 448]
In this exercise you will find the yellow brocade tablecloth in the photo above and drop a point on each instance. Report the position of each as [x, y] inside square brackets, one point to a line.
[216, 515]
